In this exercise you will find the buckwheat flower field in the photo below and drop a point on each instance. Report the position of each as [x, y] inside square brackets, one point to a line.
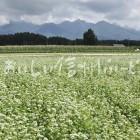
[61, 97]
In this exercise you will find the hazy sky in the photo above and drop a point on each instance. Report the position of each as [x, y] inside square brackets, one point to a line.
[123, 12]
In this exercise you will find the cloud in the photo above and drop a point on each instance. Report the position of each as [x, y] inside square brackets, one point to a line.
[40, 11]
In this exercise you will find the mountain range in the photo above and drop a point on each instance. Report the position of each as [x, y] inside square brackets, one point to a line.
[72, 30]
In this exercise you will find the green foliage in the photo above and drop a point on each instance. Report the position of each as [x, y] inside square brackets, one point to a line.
[90, 37]
[63, 49]
[55, 107]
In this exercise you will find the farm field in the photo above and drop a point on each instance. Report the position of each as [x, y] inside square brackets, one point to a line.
[65, 96]
[66, 49]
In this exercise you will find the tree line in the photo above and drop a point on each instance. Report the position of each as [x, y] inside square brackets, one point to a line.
[89, 38]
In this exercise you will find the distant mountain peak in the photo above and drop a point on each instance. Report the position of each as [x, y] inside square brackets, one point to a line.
[73, 29]
[80, 20]
[103, 22]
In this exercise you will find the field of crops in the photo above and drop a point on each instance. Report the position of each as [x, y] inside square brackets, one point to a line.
[64, 49]
[69, 97]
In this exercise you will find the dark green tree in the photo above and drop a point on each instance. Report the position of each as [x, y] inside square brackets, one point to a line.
[89, 37]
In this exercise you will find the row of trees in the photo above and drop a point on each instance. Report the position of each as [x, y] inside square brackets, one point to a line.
[22, 39]
[89, 38]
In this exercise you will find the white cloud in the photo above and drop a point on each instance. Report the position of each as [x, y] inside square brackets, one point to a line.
[124, 12]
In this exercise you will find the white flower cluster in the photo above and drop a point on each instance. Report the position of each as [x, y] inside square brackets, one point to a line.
[53, 107]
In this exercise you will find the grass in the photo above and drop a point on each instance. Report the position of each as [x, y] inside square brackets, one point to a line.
[74, 102]
[64, 49]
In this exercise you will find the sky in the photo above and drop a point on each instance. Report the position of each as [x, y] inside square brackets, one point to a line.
[122, 12]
